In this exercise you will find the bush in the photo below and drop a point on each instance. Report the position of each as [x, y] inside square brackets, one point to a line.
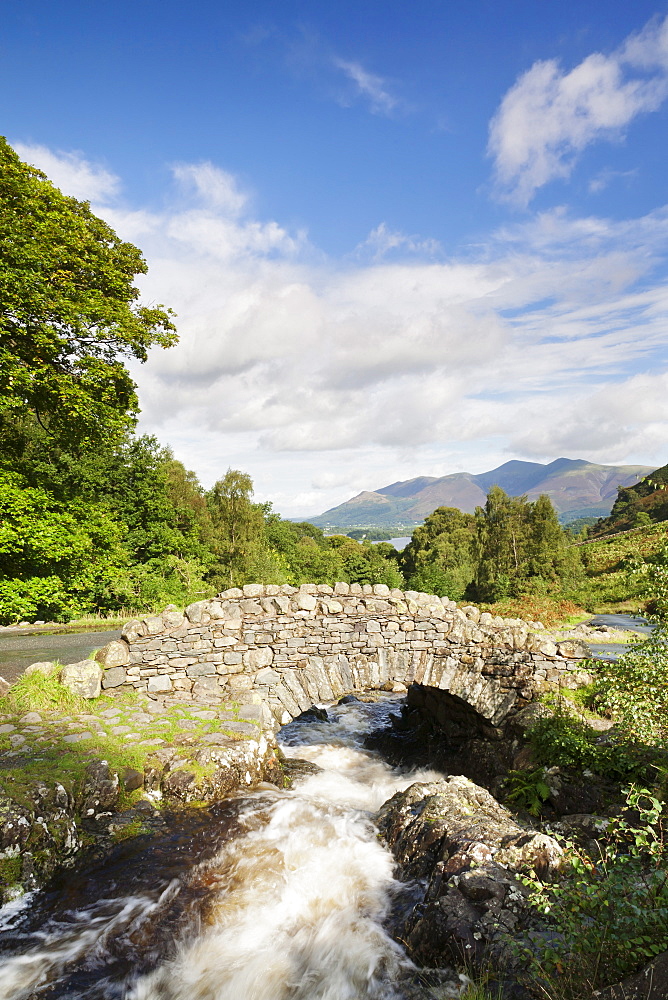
[634, 688]
[563, 740]
[606, 915]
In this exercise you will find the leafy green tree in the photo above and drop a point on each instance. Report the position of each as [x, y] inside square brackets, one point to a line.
[439, 558]
[56, 559]
[501, 544]
[238, 527]
[552, 563]
[69, 311]
[521, 548]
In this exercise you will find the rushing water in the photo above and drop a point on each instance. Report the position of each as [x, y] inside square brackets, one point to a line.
[269, 896]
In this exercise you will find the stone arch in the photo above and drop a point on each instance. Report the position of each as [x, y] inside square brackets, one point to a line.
[287, 648]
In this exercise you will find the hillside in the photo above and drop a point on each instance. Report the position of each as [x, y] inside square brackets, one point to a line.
[609, 583]
[642, 503]
[577, 488]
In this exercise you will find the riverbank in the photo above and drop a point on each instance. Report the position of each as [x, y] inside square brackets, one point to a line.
[77, 771]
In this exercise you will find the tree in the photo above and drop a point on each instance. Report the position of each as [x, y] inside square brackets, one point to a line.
[501, 542]
[521, 548]
[238, 526]
[547, 546]
[56, 559]
[439, 557]
[69, 311]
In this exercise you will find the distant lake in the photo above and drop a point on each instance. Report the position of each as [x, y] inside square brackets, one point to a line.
[399, 543]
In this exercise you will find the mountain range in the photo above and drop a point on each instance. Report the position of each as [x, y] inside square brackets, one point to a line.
[577, 488]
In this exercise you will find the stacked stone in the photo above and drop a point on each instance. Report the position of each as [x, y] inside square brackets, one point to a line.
[289, 647]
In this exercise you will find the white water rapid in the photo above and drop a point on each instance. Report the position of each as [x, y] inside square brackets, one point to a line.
[289, 908]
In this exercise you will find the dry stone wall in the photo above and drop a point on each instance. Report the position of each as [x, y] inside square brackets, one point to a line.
[287, 648]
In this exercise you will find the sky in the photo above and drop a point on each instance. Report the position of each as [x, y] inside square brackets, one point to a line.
[401, 237]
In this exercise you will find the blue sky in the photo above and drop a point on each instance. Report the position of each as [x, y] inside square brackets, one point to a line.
[402, 238]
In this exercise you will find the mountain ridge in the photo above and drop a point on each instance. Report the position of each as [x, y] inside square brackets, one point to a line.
[575, 486]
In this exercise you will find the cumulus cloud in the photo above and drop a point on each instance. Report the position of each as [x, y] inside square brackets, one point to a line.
[217, 188]
[323, 378]
[551, 115]
[71, 172]
[368, 85]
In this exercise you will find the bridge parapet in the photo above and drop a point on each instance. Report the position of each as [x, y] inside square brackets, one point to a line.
[290, 647]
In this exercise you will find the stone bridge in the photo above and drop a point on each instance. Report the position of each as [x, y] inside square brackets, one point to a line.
[288, 648]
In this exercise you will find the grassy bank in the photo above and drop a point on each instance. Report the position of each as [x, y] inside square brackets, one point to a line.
[116, 728]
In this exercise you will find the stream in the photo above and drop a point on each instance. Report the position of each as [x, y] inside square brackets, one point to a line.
[626, 623]
[271, 895]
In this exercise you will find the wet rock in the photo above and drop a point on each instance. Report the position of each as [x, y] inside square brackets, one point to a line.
[295, 768]
[313, 714]
[36, 835]
[180, 784]
[83, 678]
[467, 848]
[214, 771]
[100, 789]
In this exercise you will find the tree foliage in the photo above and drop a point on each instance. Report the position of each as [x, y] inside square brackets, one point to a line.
[439, 558]
[238, 526]
[520, 548]
[69, 311]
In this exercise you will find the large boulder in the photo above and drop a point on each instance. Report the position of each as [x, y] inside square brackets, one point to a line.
[115, 654]
[465, 849]
[83, 678]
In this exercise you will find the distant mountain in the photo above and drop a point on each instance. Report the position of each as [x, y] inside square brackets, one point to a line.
[576, 488]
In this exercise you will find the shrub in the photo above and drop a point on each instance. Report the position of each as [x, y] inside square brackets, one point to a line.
[634, 688]
[606, 916]
[563, 740]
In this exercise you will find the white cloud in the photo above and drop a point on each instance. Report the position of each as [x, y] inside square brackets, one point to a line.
[322, 379]
[606, 177]
[550, 116]
[71, 172]
[372, 87]
[382, 241]
[216, 188]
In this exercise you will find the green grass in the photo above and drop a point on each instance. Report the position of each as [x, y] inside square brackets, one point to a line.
[53, 760]
[10, 871]
[39, 693]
